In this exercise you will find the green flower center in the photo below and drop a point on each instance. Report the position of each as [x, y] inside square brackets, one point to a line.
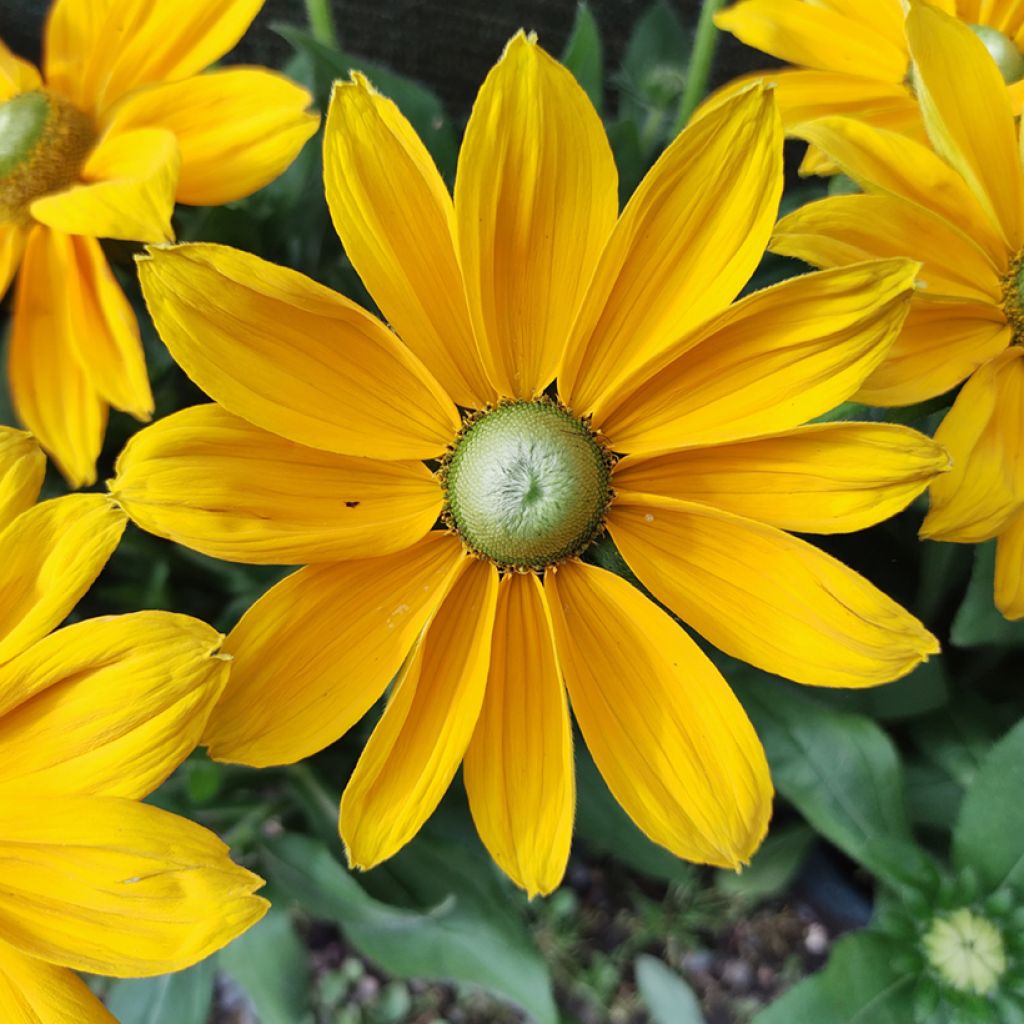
[966, 951]
[526, 485]
[43, 141]
[1004, 51]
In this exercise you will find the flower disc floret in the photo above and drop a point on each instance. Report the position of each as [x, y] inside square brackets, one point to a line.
[527, 485]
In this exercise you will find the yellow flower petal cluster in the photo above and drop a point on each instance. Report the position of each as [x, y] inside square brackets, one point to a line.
[959, 209]
[324, 447]
[93, 717]
[119, 126]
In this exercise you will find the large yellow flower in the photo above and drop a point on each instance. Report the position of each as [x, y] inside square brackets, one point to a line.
[121, 126]
[316, 454]
[93, 717]
[853, 57]
[961, 213]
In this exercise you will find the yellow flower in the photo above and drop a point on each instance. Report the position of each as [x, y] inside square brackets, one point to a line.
[93, 717]
[961, 212]
[316, 454]
[121, 125]
[853, 58]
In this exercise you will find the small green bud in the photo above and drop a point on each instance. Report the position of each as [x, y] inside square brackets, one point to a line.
[1004, 52]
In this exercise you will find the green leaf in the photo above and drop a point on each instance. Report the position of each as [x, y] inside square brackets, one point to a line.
[270, 965]
[989, 834]
[861, 984]
[957, 738]
[978, 622]
[182, 998]
[924, 690]
[667, 997]
[584, 57]
[472, 934]
[772, 868]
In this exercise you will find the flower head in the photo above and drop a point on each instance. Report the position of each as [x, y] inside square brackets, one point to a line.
[448, 495]
[119, 126]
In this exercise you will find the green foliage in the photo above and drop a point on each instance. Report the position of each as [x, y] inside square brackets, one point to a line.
[584, 55]
[667, 997]
[978, 623]
[182, 998]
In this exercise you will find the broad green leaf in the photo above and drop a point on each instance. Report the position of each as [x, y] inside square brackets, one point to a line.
[989, 834]
[472, 934]
[182, 998]
[957, 738]
[924, 690]
[772, 868]
[668, 998]
[979, 623]
[933, 796]
[860, 985]
[583, 55]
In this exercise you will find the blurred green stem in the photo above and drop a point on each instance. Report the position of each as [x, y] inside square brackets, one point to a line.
[705, 42]
[304, 778]
[247, 829]
[321, 22]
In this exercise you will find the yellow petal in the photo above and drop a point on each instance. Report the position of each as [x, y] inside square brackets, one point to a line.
[772, 361]
[766, 597]
[968, 114]
[12, 244]
[204, 478]
[107, 706]
[535, 200]
[116, 887]
[16, 75]
[685, 245]
[674, 745]
[22, 468]
[294, 357]
[841, 230]
[394, 216]
[35, 992]
[237, 129]
[415, 750]
[314, 653]
[1010, 569]
[942, 343]
[52, 393]
[49, 557]
[128, 191]
[822, 478]
[819, 36]
[519, 766]
[984, 433]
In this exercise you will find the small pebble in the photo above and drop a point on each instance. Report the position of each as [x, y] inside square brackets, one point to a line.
[816, 939]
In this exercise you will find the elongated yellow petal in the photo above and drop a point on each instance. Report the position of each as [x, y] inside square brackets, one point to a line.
[70, 35]
[22, 468]
[294, 357]
[766, 597]
[108, 706]
[415, 750]
[117, 887]
[314, 653]
[12, 244]
[49, 557]
[841, 230]
[393, 214]
[685, 245]
[968, 114]
[52, 393]
[237, 129]
[207, 479]
[1009, 593]
[822, 478]
[984, 433]
[819, 36]
[674, 745]
[16, 75]
[519, 765]
[772, 361]
[35, 992]
[535, 201]
[128, 191]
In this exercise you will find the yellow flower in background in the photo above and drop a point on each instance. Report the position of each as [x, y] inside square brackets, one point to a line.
[676, 426]
[120, 125]
[93, 717]
[960, 211]
[853, 58]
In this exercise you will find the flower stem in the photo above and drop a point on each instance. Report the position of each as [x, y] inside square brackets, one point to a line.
[702, 56]
[321, 22]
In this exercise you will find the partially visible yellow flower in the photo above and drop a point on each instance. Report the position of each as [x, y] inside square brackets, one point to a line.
[852, 58]
[93, 717]
[677, 427]
[960, 211]
[120, 126]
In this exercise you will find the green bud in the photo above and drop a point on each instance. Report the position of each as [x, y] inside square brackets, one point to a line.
[966, 951]
[1004, 52]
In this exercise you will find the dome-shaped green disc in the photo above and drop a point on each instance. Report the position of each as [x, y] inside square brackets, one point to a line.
[22, 121]
[1004, 51]
[527, 484]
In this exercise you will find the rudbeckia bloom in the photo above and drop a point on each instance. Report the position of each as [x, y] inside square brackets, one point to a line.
[853, 58]
[119, 126]
[93, 717]
[960, 210]
[339, 443]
